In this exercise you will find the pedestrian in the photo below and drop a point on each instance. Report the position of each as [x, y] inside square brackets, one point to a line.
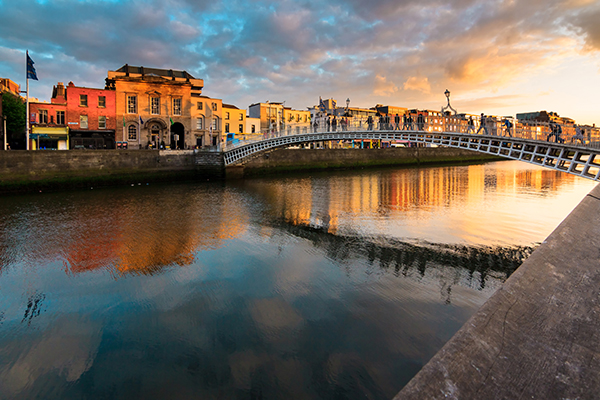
[315, 126]
[410, 122]
[483, 124]
[396, 122]
[405, 122]
[507, 126]
[334, 124]
[471, 127]
[578, 135]
[328, 123]
[421, 122]
[370, 123]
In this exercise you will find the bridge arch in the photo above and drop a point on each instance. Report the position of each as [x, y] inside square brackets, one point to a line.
[577, 160]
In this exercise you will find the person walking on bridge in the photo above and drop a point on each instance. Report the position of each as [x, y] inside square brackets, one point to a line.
[370, 123]
[471, 126]
[482, 124]
[578, 135]
[508, 125]
[405, 122]
[396, 122]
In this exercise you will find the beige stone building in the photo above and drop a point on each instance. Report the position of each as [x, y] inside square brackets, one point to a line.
[160, 107]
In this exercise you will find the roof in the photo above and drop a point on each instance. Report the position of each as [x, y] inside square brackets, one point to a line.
[230, 106]
[155, 71]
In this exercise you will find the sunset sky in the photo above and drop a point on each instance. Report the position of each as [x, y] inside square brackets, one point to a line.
[497, 57]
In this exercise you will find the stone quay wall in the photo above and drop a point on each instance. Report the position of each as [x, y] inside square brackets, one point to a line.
[22, 171]
[286, 159]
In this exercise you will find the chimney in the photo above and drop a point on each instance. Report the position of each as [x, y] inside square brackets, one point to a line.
[126, 69]
[142, 70]
[60, 89]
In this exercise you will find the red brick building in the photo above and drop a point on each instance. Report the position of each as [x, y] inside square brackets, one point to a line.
[48, 123]
[91, 117]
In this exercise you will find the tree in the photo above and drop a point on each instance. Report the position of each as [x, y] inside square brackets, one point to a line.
[13, 108]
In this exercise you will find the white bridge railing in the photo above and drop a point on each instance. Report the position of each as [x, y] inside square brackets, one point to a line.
[560, 147]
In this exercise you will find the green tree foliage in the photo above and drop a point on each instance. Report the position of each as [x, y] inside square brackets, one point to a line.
[13, 108]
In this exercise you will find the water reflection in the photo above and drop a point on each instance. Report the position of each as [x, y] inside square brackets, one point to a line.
[338, 285]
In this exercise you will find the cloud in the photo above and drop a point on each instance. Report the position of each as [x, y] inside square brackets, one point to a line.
[419, 84]
[248, 51]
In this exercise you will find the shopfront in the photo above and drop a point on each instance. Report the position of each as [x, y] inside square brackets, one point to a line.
[49, 138]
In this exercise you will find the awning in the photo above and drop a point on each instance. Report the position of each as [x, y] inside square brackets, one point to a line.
[47, 132]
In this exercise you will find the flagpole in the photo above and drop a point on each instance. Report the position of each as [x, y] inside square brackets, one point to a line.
[27, 109]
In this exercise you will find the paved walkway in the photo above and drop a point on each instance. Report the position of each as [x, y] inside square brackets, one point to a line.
[538, 336]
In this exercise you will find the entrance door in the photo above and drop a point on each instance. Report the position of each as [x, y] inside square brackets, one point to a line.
[177, 136]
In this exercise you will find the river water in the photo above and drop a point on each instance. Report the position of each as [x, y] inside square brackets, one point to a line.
[329, 285]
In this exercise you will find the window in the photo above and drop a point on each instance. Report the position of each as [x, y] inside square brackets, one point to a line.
[155, 105]
[199, 105]
[199, 123]
[101, 122]
[102, 101]
[132, 104]
[214, 124]
[214, 105]
[60, 117]
[83, 121]
[176, 106]
[83, 100]
[241, 117]
[43, 116]
[241, 128]
[253, 128]
[227, 115]
[227, 127]
[132, 131]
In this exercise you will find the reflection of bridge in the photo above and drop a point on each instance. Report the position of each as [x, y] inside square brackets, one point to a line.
[536, 144]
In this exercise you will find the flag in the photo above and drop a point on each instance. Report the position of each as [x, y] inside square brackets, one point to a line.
[123, 122]
[141, 121]
[30, 69]
[321, 104]
[333, 104]
[171, 119]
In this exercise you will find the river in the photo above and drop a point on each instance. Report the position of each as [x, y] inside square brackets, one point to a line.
[326, 285]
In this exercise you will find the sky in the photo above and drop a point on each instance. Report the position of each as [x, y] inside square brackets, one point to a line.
[497, 57]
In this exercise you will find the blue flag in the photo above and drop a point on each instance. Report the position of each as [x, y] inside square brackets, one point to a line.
[30, 69]
[321, 104]
[141, 121]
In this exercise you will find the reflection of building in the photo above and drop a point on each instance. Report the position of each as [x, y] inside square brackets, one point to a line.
[159, 106]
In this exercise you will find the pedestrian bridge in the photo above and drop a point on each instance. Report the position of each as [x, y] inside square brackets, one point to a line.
[538, 145]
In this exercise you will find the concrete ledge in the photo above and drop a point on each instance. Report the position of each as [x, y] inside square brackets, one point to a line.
[538, 336]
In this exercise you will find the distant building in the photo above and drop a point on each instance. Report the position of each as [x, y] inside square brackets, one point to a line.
[163, 107]
[6, 85]
[544, 116]
[269, 114]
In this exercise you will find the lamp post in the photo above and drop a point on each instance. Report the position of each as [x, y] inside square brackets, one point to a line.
[4, 132]
[447, 93]
[347, 105]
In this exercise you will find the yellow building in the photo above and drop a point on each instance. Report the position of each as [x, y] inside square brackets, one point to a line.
[160, 108]
[207, 119]
[234, 120]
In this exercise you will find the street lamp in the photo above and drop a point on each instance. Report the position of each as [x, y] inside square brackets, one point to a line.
[447, 94]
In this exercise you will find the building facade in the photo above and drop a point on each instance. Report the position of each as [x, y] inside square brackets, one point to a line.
[91, 116]
[163, 108]
[48, 121]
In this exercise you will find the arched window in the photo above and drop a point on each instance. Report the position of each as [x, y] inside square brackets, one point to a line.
[132, 131]
[155, 130]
